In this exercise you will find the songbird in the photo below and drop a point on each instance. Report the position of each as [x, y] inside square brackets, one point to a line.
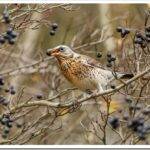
[82, 71]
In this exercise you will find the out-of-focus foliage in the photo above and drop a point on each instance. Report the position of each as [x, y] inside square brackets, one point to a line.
[30, 80]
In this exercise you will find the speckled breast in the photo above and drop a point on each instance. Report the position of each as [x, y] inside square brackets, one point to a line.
[78, 73]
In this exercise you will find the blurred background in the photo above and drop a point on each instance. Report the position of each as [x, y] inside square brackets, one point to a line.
[89, 29]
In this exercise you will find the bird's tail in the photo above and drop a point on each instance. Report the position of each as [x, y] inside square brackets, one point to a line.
[127, 76]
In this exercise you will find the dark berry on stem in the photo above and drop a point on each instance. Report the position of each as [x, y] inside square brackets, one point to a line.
[4, 121]
[1, 81]
[12, 91]
[114, 122]
[109, 59]
[52, 33]
[108, 54]
[119, 29]
[13, 34]
[54, 26]
[9, 31]
[99, 55]
[6, 17]
[113, 58]
[9, 125]
[39, 96]
[109, 65]
[6, 90]
[18, 125]
[113, 86]
[11, 41]
[6, 130]
[4, 136]
[147, 29]
[2, 40]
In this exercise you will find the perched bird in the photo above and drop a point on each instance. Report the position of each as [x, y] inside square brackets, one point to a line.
[83, 71]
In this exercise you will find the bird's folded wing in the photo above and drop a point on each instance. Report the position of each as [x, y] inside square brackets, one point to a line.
[92, 62]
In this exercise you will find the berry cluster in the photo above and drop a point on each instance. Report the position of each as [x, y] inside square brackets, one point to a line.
[140, 40]
[54, 27]
[7, 123]
[123, 31]
[10, 36]
[137, 125]
[110, 59]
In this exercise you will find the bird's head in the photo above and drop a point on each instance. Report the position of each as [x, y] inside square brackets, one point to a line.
[61, 51]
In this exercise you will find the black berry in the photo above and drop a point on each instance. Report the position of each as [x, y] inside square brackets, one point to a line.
[114, 122]
[52, 33]
[54, 26]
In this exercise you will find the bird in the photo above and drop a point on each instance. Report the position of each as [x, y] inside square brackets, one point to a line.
[83, 71]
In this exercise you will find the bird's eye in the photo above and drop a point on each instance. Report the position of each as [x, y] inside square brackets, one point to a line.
[61, 49]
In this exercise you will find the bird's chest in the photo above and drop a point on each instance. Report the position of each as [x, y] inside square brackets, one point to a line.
[80, 75]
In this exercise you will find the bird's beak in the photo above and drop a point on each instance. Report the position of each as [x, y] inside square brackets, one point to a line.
[52, 52]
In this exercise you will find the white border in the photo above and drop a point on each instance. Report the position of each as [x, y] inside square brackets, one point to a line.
[75, 146]
[75, 2]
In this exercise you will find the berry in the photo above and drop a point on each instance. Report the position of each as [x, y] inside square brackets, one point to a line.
[135, 123]
[2, 99]
[9, 31]
[54, 26]
[108, 54]
[147, 34]
[39, 96]
[12, 92]
[18, 125]
[127, 31]
[2, 40]
[4, 136]
[126, 117]
[5, 102]
[11, 41]
[123, 33]
[7, 36]
[6, 130]
[109, 59]
[4, 121]
[113, 86]
[1, 81]
[135, 107]
[138, 41]
[9, 125]
[113, 58]
[146, 111]
[52, 33]
[114, 122]
[99, 55]
[13, 34]
[6, 90]
[147, 29]
[128, 99]
[138, 35]
[6, 17]
[109, 65]
[119, 29]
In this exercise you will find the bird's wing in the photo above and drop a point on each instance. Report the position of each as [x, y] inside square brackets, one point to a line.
[92, 62]
[105, 72]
